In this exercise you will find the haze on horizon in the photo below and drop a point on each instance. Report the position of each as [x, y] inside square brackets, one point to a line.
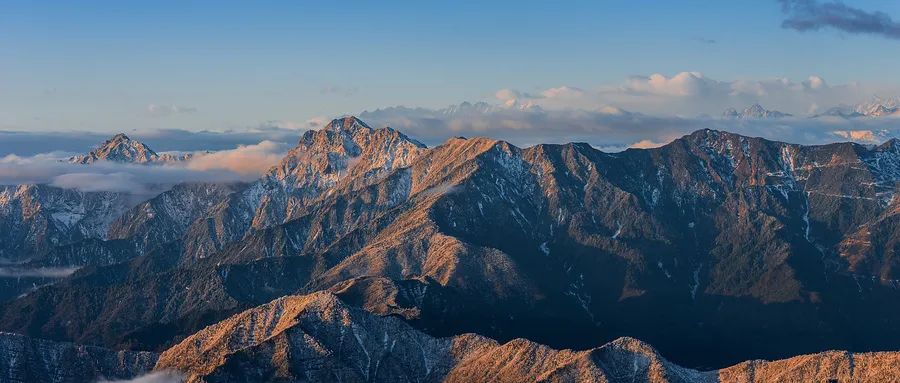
[614, 74]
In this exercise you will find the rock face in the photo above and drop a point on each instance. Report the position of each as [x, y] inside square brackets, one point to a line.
[166, 217]
[23, 359]
[716, 248]
[318, 338]
[345, 152]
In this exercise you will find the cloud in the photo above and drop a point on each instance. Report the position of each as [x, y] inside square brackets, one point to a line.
[692, 93]
[119, 182]
[317, 122]
[168, 110]
[611, 128]
[646, 144]
[703, 40]
[153, 377]
[681, 84]
[866, 136]
[31, 143]
[810, 15]
[251, 160]
[244, 163]
[39, 272]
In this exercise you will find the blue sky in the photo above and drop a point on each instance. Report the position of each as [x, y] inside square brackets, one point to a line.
[100, 65]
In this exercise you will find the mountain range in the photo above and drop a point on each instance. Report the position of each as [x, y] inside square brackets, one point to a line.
[877, 107]
[754, 111]
[364, 255]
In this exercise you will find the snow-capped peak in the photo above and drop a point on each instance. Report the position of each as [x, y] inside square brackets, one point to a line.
[876, 107]
[348, 124]
[121, 148]
[754, 111]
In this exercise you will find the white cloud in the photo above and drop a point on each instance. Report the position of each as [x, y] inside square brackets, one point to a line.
[40, 272]
[251, 160]
[153, 377]
[646, 144]
[244, 163]
[693, 93]
[611, 127]
[681, 84]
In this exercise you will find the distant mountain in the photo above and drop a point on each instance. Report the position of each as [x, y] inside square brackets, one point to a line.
[45, 226]
[877, 107]
[120, 148]
[754, 111]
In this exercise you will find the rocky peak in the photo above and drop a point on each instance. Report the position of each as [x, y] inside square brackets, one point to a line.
[119, 148]
[349, 124]
[343, 145]
[891, 145]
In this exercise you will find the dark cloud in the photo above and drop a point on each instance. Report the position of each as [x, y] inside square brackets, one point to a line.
[810, 15]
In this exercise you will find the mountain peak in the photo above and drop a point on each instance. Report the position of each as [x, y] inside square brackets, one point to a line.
[755, 111]
[119, 148]
[347, 124]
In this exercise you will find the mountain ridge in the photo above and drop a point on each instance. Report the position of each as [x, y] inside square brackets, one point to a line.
[318, 337]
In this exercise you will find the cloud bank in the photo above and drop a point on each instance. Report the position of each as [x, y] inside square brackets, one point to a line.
[249, 160]
[40, 272]
[24, 143]
[244, 163]
[810, 15]
[693, 93]
[647, 111]
[614, 129]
